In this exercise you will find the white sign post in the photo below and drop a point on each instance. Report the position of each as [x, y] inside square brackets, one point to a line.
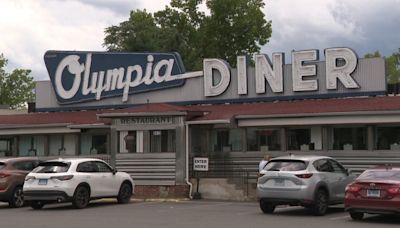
[200, 164]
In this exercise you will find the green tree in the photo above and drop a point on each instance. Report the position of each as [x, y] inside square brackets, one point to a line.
[392, 64]
[376, 54]
[233, 27]
[393, 68]
[16, 88]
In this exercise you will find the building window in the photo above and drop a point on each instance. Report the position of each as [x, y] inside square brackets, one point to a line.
[263, 139]
[226, 140]
[5, 147]
[130, 142]
[199, 140]
[162, 141]
[299, 139]
[99, 144]
[93, 144]
[56, 145]
[387, 138]
[348, 138]
[31, 145]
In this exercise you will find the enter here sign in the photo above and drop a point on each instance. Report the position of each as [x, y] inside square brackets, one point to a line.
[200, 164]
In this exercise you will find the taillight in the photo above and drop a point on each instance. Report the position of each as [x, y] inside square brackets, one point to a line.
[27, 178]
[393, 190]
[353, 188]
[3, 175]
[62, 178]
[304, 176]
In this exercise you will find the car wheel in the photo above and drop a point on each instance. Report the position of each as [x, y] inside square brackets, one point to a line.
[17, 198]
[81, 197]
[125, 193]
[266, 208]
[321, 203]
[37, 205]
[356, 215]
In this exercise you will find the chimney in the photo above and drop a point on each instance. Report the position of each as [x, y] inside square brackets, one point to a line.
[31, 107]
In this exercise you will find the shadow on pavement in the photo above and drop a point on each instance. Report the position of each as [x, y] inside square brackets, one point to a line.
[301, 211]
[379, 219]
[68, 206]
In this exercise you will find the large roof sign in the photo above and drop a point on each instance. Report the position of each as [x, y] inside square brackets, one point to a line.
[133, 78]
[84, 76]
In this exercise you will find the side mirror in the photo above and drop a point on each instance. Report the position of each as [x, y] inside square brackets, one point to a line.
[114, 171]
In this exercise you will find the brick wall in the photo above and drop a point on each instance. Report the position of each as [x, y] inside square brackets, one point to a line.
[156, 191]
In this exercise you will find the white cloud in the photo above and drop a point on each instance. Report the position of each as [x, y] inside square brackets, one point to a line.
[30, 27]
[310, 24]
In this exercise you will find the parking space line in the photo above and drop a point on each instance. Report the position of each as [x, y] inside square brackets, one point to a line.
[340, 217]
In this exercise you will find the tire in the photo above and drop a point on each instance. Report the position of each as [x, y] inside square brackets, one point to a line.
[17, 198]
[37, 205]
[81, 197]
[266, 208]
[320, 203]
[125, 193]
[356, 215]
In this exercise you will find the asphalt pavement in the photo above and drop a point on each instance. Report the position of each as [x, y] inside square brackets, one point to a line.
[181, 214]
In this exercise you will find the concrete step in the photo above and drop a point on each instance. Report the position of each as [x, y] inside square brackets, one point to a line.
[219, 189]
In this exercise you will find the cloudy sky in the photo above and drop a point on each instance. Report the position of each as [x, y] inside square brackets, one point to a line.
[30, 27]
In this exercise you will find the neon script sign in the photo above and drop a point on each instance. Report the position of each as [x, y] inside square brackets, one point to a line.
[85, 76]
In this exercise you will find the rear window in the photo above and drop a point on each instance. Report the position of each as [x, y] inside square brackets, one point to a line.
[52, 167]
[285, 165]
[24, 165]
[380, 174]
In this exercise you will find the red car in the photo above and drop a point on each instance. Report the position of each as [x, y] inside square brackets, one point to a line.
[375, 191]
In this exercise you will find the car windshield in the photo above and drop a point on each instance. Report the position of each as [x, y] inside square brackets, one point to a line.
[52, 167]
[380, 174]
[285, 165]
[2, 165]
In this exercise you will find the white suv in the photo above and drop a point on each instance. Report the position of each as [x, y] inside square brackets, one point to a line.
[76, 180]
[314, 182]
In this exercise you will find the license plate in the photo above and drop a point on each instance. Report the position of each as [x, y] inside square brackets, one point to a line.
[279, 182]
[373, 193]
[42, 181]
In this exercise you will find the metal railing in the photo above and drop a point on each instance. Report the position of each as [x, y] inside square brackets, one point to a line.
[225, 168]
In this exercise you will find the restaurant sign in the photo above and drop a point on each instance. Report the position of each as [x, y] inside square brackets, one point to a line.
[83, 76]
[147, 120]
[92, 76]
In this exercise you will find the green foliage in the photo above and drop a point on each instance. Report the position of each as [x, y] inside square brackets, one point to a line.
[392, 64]
[16, 88]
[376, 54]
[393, 68]
[233, 27]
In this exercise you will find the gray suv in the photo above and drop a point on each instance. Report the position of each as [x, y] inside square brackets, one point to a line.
[310, 181]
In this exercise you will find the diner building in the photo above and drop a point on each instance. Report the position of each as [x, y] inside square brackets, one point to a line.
[144, 114]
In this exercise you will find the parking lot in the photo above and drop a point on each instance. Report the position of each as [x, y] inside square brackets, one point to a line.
[180, 214]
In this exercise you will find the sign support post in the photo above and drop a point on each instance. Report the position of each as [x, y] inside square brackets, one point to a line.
[200, 164]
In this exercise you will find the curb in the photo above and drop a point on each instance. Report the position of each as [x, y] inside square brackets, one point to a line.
[159, 200]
